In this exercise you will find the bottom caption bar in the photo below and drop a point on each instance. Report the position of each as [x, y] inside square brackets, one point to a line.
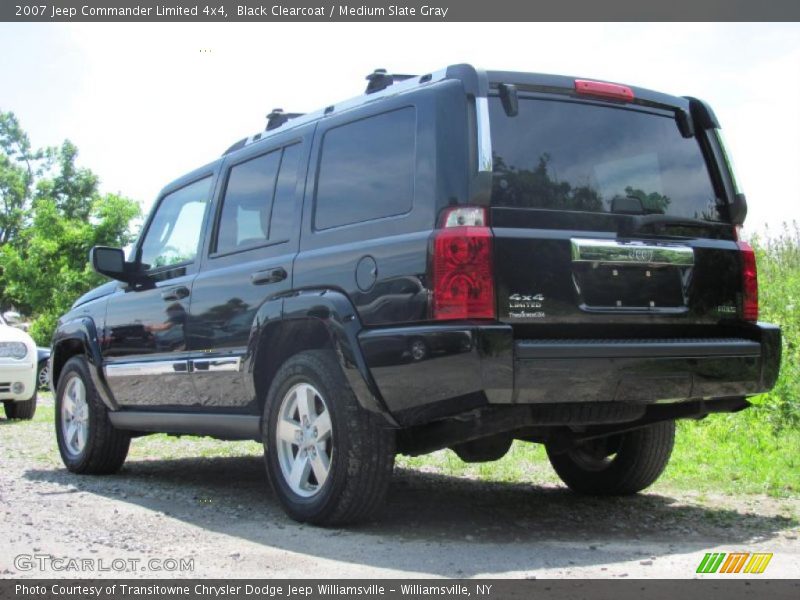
[496, 589]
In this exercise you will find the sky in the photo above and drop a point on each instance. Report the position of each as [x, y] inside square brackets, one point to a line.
[145, 103]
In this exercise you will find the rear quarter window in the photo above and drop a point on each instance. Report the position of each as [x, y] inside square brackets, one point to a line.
[573, 156]
[366, 170]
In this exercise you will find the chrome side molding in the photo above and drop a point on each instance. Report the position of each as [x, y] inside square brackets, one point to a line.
[174, 367]
[625, 253]
[165, 367]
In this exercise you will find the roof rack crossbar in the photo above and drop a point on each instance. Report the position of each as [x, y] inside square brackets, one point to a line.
[379, 80]
[277, 118]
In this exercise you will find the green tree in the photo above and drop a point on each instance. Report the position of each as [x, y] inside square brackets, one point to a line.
[18, 167]
[539, 188]
[52, 215]
[652, 202]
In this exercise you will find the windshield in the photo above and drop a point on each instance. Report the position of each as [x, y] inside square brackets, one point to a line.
[563, 155]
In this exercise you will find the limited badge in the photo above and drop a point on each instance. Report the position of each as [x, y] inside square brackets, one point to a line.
[526, 306]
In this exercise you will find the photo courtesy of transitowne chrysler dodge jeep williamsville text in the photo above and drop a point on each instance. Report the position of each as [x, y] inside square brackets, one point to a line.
[457, 259]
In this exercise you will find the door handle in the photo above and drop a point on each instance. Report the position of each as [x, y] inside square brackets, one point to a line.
[176, 293]
[268, 276]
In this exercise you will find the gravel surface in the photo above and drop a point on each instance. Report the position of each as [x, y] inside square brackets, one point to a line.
[219, 513]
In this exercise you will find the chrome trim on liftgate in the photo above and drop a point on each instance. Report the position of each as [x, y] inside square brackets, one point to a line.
[622, 253]
[484, 135]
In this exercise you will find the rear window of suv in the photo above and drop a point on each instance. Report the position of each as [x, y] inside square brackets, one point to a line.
[573, 156]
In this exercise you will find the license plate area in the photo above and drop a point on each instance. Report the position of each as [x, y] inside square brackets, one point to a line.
[617, 276]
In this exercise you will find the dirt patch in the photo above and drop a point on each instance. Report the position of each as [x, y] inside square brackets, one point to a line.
[217, 513]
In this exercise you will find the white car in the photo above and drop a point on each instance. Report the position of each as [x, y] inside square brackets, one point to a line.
[18, 372]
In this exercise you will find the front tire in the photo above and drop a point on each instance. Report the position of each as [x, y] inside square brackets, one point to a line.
[617, 465]
[329, 461]
[22, 410]
[87, 441]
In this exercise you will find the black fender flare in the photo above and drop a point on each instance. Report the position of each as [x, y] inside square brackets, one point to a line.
[332, 310]
[81, 332]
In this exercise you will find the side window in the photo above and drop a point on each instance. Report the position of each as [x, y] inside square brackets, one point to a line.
[247, 204]
[174, 232]
[367, 170]
[259, 201]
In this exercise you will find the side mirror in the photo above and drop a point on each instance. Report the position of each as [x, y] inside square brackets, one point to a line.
[109, 262]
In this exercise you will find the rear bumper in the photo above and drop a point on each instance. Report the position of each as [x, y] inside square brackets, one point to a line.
[426, 372]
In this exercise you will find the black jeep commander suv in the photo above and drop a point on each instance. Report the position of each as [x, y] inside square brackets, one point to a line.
[453, 260]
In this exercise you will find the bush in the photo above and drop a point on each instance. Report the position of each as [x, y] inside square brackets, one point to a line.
[779, 299]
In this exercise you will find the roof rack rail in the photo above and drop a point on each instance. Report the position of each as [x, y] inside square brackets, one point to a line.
[277, 118]
[237, 146]
[379, 80]
[401, 83]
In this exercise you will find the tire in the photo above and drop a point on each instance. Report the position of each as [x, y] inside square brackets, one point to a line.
[94, 446]
[23, 409]
[358, 447]
[42, 375]
[617, 465]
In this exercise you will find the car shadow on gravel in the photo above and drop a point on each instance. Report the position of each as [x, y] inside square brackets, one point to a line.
[432, 520]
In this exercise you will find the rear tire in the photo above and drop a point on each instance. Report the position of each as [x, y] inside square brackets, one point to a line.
[329, 461]
[617, 465]
[42, 375]
[23, 410]
[88, 442]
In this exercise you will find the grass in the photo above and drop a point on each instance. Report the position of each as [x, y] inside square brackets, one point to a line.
[739, 453]
[727, 454]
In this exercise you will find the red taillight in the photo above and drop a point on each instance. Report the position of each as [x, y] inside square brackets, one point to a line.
[749, 282]
[603, 89]
[462, 278]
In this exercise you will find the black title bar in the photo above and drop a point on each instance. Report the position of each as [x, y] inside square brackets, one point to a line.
[413, 10]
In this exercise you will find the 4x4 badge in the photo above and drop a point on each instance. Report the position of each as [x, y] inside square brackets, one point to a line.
[524, 298]
[519, 306]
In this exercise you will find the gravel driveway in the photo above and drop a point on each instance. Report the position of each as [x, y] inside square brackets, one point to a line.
[218, 513]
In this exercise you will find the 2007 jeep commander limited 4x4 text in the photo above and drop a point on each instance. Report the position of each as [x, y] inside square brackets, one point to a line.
[453, 260]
